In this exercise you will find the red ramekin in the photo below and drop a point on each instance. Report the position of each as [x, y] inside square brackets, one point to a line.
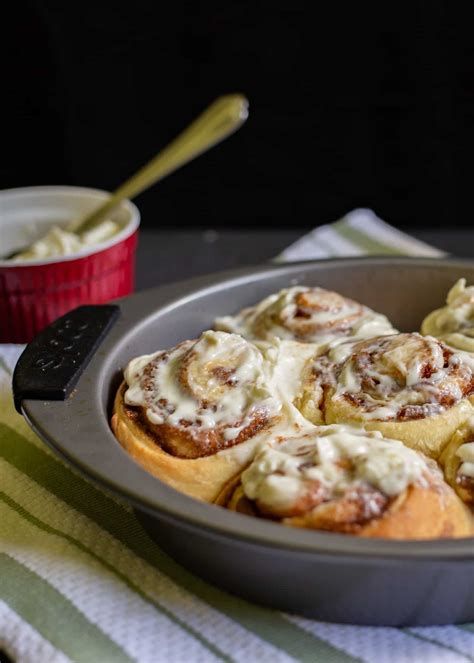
[34, 293]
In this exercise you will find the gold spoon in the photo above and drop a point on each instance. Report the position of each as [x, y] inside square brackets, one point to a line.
[221, 119]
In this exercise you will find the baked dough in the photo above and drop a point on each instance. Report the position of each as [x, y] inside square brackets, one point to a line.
[309, 363]
[429, 435]
[193, 414]
[202, 478]
[410, 388]
[457, 461]
[308, 315]
[341, 479]
[454, 323]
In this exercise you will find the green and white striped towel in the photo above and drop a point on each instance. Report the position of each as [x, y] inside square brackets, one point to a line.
[81, 581]
[359, 233]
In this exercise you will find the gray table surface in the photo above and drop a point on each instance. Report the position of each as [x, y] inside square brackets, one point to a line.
[166, 256]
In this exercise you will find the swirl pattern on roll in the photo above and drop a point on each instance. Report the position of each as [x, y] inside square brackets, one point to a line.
[401, 377]
[307, 315]
[202, 396]
[334, 477]
[454, 323]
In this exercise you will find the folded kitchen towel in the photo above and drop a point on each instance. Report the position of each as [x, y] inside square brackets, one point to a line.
[359, 233]
[81, 581]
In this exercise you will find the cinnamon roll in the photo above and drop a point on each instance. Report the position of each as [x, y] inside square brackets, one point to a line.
[192, 415]
[317, 376]
[457, 460]
[309, 315]
[409, 387]
[347, 480]
[454, 323]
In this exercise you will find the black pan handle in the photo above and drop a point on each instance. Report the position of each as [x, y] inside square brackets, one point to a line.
[52, 363]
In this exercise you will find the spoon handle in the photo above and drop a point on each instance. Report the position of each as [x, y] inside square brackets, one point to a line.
[224, 116]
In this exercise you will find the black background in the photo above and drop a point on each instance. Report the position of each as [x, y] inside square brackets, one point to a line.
[351, 104]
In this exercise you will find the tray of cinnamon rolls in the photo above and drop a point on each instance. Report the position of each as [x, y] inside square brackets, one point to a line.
[302, 435]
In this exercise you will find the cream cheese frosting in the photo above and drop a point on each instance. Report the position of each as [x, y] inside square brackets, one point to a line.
[454, 323]
[394, 376]
[306, 314]
[220, 380]
[286, 361]
[334, 457]
[61, 242]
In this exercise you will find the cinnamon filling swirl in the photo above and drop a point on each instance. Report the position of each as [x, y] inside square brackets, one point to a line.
[202, 396]
[401, 377]
[306, 315]
[334, 478]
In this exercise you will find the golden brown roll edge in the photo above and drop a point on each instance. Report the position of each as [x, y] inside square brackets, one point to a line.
[451, 462]
[419, 513]
[202, 478]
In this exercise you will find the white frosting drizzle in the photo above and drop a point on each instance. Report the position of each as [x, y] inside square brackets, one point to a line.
[397, 376]
[327, 316]
[337, 457]
[454, 323]
[286, 361]
[205, 400]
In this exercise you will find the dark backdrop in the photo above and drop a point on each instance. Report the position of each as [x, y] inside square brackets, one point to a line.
[358, 104]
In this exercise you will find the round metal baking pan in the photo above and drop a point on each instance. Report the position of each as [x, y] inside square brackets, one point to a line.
[328, 576]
